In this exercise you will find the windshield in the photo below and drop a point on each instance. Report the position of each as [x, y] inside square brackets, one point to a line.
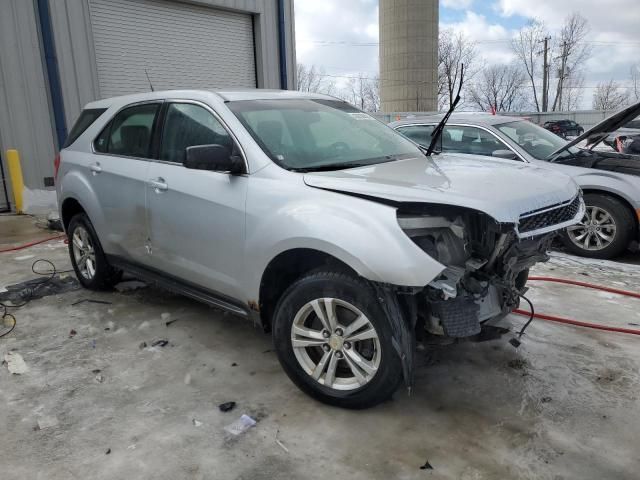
[311, 134]
[535, 140]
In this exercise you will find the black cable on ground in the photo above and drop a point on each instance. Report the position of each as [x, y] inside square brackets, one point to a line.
[516, 341]
[28, 293]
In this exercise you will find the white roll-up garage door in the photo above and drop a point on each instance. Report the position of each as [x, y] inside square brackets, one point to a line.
[180, 46]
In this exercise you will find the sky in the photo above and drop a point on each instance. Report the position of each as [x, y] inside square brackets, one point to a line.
[341, 36]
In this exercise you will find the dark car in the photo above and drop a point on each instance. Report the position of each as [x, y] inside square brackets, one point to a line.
[564, 128]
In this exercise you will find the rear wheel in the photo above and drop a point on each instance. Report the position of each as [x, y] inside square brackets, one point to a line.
[87, 257]
[334, 341]
[605, 231]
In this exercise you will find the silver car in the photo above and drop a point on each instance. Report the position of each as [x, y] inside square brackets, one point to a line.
[310, 217]
[610, 181]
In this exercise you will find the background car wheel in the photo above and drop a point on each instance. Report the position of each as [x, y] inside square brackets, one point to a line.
[334, 341]
[87, 257]
[605, 231]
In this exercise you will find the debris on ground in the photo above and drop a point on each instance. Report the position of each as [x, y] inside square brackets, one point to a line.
[227, 406]
[197, 423]
[90, 300]
[93, 343]
[99, 378]
[130, 285]
[546, 399]
[160, 343]
[142, 345]
[187, 379]
[37, 288]
[241, 425]
[47, 422]
[165, 316]
[72, 333]
[426, 466]
[108, 451]
[280, 443]
[517, 364]
[144, 325]
[96, 371]
[234, 364]
[171, 321]
[15, 363]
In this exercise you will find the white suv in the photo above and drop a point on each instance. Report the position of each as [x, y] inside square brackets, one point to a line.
[303, 213]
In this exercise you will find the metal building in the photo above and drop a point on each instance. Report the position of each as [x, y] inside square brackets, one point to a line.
[57, 55]
[409, 55]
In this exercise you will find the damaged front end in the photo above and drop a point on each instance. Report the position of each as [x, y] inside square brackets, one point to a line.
[487, 262]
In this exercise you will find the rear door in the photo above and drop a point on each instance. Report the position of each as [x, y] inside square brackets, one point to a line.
[196, 217]
[119, 175]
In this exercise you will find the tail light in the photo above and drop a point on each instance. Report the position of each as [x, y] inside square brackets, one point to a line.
[56, 166]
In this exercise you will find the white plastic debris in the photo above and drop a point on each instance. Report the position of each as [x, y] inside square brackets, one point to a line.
[47, 422]
[241, 425]
[144, 325]
[15, 363]
[24, 257]
[165, 316]
[197, 423]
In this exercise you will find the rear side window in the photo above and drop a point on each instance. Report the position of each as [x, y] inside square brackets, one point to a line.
[421, 134]
[85, 120]
[129, 133]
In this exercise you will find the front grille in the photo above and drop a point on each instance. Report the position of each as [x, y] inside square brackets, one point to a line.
[537, 221]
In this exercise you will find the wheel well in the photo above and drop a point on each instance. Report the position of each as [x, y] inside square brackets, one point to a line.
[622, 200]
[285, 269]
[70, 207]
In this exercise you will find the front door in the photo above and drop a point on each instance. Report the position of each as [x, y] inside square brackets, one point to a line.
[118, 175]
[196, 217]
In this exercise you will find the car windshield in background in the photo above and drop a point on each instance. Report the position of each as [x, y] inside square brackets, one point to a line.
[535, 140]
[314, 134]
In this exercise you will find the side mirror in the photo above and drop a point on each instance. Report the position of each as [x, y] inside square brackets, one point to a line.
[216, 158]
[507, 154]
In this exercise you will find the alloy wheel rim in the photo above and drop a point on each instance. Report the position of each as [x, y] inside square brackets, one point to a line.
[84, 253]
[596, 230]
[335, 344]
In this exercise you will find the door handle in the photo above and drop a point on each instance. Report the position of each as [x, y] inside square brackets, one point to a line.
[159, 185]
[95, 168]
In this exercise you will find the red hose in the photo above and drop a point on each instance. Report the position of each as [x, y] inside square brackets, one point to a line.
[569, 321]
[27, 245]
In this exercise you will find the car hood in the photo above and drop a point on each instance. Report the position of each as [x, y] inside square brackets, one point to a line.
[598, 133]
[503, 189]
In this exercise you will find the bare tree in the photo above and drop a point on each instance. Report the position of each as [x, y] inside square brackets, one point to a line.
[527, 46]
[635, 82]
[572, 54]
[314, 80]
[499, 88]
[454, 49]
[573, 90]
[363, 92]
[609, 96]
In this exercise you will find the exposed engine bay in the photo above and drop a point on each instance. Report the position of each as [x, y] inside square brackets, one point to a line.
[487, 265]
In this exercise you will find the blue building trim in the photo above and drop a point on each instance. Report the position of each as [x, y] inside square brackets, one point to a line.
[53, 74]
[282, 45]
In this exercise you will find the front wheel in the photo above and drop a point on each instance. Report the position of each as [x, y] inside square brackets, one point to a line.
[334, 341]
[605, 231]
[87, 257]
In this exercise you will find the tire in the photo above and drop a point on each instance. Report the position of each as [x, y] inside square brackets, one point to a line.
[101, 276]
[623, 223]
[347, 293]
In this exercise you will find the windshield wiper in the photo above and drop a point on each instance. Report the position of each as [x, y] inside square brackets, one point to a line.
[437, 132]
[331, 166]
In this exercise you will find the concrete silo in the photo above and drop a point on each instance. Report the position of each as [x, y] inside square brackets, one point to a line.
[408, 55]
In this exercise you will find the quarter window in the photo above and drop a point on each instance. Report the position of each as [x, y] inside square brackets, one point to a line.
[129, 133]
[421, 134]
[188, 125]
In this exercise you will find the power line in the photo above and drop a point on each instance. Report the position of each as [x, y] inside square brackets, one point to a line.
[330, 43]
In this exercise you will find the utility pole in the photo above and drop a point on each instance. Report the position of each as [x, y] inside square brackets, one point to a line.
[563, 66]
[545, 76]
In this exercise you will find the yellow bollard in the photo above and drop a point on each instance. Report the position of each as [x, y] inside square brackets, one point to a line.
[15, 174]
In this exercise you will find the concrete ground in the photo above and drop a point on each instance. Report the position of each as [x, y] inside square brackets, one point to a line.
[101, 405]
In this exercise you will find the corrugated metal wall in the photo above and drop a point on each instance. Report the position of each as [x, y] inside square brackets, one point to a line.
[25, 114]
[25, 120]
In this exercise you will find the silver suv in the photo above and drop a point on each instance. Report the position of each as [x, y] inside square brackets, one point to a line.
[302, 213]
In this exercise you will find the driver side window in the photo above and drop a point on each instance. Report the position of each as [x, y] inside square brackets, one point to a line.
[472, 140]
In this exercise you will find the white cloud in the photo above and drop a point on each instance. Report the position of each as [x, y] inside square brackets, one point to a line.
[457, 4]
